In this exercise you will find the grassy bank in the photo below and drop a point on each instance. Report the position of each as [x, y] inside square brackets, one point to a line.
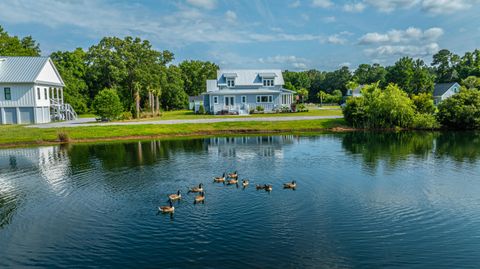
[22, 136]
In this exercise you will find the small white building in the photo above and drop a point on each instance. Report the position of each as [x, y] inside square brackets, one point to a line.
[31, 91]
[443, 91]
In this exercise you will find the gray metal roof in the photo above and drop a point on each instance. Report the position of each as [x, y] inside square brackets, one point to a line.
[250, 91]
[441, 88]
[249, 77]
[21, 69]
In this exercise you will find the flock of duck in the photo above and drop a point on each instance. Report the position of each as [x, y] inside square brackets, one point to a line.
[229, 179]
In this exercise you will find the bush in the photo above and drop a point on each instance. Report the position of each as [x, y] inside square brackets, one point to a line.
[425, 121]
[389, 108]
[63, 136]
[107, 104]
[302, 108]
[201, 110]
[460, 111]
[424, 103]
[127, 115]
[259, 108]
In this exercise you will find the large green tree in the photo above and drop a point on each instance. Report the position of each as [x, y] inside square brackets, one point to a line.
[413, 76]
[173, 94]
[194, 75]
[367, 74]
[15, 46]
[461, 111]
[72, 68]
[445, 64]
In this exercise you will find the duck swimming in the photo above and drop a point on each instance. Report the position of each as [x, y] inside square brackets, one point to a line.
[290, 185]
[219, 179]
[233, 175]
[197, 189]
[175, 196]
[168, 208]
[245, 182]
[200, 198]
[232, 181]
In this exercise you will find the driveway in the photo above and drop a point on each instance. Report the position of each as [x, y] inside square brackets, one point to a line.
[83, 122]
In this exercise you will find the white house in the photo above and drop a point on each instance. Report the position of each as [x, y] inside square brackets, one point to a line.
[355, 92]
[239, 91]
[31, 91]
[443, 91]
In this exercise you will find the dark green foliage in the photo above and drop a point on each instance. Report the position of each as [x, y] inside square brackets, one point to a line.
[411, 75]
[195, 75]
[107, 104]
[445, 65]
[367, 74]
[355, 112]
[461, 111]
[201, 110]
[14, 46]
[173, 94]
[423, 103]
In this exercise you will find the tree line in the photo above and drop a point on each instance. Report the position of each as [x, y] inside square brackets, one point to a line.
[144, 78]
[413, 76]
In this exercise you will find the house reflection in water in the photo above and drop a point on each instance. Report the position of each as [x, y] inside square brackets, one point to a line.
[249, 146]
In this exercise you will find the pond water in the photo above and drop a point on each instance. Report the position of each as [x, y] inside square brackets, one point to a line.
[363, 200]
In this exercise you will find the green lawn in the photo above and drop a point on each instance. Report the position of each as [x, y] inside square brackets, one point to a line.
[20, 135]
[188, 114]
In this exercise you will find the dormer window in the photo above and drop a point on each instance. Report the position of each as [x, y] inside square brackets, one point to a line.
[268, 82]
[230, 82]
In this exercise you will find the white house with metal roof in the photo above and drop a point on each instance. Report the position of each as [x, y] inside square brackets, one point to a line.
[31, 91]
[443, 91]
[237, 91]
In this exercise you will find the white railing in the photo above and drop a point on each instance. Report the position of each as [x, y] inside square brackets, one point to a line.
[266, 107]
[240, 109]
[61, 111]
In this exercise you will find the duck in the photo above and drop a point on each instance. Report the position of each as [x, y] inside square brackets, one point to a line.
[219, 179]
[175, 196]
[267, 187]
[260, 187]
[232, 181]
[290, 185]
[197, 189]
[245, 182]
[233, 175]
[167, 208]
[200, 198]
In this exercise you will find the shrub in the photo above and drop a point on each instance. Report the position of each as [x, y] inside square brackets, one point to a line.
[63, 136]
[127, 115]
[107, 104]
[425, 121]
[259, 108]
[301, 108]
[354, 112]
[460, 111]
[424, 103]
[201, 109]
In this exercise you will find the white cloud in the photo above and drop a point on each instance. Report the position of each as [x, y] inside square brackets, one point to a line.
[231, 16]
[402, 36]
[207, 4]
[336, 39]
[294, 4]
[354, 7]
[322, 3]
[391, 5]
[347, 64]
[446, 6]
[329, 19]
[305, 17]
[403, 50]
[285, 61]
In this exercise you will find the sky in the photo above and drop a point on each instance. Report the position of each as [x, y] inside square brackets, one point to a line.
[283, 34]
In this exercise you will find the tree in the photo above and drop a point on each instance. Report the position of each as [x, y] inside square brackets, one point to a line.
[195, 74]
[129, 64]
[469, 64]
[107, 104]
[72, 69]
[173, 94]
[471, 82]
[402, 73]
[322, 96]
[337, 80]
[423, 103]
[14, 46]
[461, 111]
[303, 93]
[367, 74]
[445, 64]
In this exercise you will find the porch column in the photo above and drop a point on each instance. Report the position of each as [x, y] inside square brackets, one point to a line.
[58, 94]
[19, 119]
[2, 115]
[61, 92]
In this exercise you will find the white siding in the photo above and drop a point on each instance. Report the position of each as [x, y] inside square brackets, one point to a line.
[22, 95]
[42, 101]
[48, 74]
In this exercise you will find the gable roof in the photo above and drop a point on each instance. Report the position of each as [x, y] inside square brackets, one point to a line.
[24, 69]
[248, 77]
[441, 88]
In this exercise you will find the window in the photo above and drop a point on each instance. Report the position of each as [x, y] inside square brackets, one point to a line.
[8, 94]
[244, 99]
[264, 98]
[268, 82]
[46, 93]
[215, 99]
[38, 94]
[230, 82]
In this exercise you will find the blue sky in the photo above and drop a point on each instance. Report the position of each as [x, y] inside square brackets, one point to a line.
[285, 34]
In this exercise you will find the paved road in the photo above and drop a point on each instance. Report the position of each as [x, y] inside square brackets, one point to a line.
[83, 122]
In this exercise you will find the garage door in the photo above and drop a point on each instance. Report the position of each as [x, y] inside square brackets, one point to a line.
[26, 115]
[10, 115]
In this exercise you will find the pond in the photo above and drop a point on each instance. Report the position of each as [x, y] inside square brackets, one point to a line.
[363, 200]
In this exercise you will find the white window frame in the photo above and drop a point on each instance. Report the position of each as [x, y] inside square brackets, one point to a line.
[269, 99]
[215, 100]
[229, 99]
[243, 99]
[230, 82]
[39, 95]
[268, 82]
[5, 89]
